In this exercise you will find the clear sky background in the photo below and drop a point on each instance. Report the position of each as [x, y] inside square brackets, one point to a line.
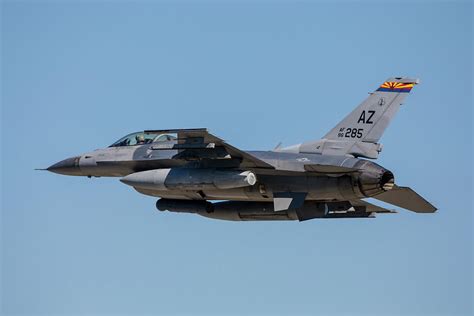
[78, 76]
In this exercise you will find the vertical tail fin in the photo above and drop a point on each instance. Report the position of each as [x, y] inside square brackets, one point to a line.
[368, 121]
[359, 132]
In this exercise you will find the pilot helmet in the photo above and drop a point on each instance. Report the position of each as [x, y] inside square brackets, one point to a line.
[140, 138]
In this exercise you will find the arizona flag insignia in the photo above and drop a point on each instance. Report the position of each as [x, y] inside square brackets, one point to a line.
[388, 86]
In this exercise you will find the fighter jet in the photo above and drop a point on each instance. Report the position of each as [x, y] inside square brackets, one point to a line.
[326, 178]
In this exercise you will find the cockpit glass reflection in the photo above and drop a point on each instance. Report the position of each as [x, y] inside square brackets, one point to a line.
[142, 138]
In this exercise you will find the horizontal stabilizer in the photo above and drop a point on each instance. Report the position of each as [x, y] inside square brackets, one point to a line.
[406, 198]
[328, 169]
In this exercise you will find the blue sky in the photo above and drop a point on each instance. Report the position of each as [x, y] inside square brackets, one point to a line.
[78, 76]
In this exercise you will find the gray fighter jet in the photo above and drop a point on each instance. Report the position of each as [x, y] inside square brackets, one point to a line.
[325, 178]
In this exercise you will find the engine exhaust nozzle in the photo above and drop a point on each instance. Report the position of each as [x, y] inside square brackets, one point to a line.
[375, 179]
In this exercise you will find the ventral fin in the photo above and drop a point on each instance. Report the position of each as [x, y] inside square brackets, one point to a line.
[283, 201]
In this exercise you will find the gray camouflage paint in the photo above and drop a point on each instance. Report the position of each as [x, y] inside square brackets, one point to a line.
[324, 178]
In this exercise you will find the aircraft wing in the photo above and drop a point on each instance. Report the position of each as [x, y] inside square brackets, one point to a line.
[198, 143]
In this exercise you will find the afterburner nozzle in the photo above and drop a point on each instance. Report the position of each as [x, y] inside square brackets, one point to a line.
[387, 181]
[375, 179]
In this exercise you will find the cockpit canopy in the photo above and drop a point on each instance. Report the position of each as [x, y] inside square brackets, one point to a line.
[141, 138]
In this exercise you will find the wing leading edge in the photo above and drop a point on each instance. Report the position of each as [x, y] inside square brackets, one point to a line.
[198, 143]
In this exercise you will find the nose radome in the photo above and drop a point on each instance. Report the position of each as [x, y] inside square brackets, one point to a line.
[69, 167]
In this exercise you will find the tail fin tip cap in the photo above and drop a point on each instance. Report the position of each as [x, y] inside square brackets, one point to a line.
[404, 80]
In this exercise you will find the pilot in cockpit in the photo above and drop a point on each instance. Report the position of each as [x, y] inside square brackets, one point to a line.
[140, 138]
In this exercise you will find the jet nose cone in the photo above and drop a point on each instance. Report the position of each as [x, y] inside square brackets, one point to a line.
[69, 167]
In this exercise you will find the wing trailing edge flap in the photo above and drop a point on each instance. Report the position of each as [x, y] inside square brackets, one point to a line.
[406, 198]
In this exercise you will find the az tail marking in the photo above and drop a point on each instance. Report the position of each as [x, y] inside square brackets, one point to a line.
[366, 120]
